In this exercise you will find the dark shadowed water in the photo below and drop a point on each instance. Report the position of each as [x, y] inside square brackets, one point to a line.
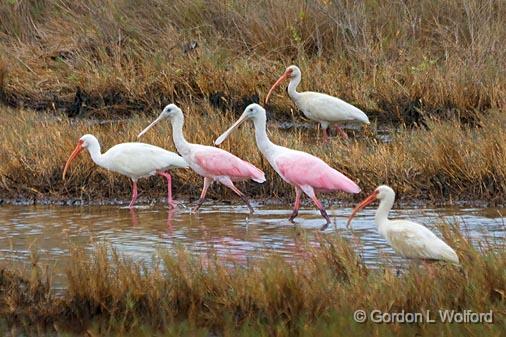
[229, 230]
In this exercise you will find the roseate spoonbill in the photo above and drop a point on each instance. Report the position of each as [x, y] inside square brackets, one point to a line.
[305, 172]
[134, 160]
[210, 162]
[407, 238]
[319, 107]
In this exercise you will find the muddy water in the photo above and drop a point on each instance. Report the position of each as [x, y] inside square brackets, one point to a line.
[229, 230]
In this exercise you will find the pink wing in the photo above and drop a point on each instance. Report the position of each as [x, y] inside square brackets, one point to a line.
[219, 162]
[300, 168]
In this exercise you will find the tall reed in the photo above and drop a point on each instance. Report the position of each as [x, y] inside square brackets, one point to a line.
[445, 163]
[313, 296]
[135, 55]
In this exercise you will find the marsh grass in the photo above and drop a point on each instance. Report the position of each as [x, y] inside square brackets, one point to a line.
[447, 162]
[429, 61]
[132, 55]
[201, 295]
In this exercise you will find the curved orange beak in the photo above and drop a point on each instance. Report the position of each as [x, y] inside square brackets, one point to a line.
[276, 84]
[73, 155]
[370, 199]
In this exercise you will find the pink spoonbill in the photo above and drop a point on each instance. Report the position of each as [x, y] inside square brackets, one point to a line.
[407, 238]
[321, 108]
[210, 162]
[305, 172]
[134, 160]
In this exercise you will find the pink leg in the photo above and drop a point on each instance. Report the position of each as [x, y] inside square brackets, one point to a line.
[341, 132]
[169, 189]
[310, 193]
[296, 206]
[325, 136]
[207, 183]
[428, 266]
[134, 194]
[227, 182]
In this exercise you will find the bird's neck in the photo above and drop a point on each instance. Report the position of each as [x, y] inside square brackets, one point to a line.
[381, 217]
[96, 154]
[292, 88]
[180, 142]
[263, 142]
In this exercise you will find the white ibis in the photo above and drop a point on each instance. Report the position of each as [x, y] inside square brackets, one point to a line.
[134, 160]
[407, 238]
[210, 162]
[322, 108]
[305, 172]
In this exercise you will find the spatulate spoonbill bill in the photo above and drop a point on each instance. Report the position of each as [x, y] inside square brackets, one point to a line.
[305, 172]
[210, 162]
[134, 160]
[322, 108]
[407, 238]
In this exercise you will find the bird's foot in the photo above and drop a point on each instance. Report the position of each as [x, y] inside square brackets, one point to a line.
[325, 226]
[326, 217]
[246, 201]
[293, 216]
[197, 206]
[182, 205]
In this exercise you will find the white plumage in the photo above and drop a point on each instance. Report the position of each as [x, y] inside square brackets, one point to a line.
[416, 241]
[134, 160]
[139, 160]
[327, 109]
[407, 238]
[322, 108]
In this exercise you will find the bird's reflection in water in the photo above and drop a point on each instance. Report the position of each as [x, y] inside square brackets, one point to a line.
[170, 217]
[134, 218]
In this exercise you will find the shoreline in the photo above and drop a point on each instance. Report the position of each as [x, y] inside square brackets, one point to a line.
[187, 201]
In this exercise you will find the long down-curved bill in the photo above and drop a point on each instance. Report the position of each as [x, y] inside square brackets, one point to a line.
[72, 156]
[275, 85]
[370, 199]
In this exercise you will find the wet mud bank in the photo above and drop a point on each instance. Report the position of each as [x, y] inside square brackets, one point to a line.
[187, 201]
[409, 112]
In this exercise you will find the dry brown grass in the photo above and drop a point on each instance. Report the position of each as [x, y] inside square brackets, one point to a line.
[447, 162]
[313, 296]
[397, 60]
[128, 55]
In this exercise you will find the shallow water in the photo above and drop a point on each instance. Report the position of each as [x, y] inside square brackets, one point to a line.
[227, 229]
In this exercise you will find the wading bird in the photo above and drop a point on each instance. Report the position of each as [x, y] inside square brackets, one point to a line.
[134, 160]
[322, 108]
[305, 172]
[407, 238]
[210, 162]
